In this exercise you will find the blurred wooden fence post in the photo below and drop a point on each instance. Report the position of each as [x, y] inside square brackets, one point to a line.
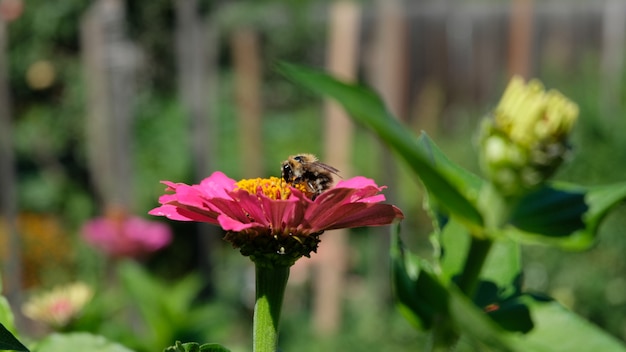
[342, 61]
[196, 58]
[110, 62]
[12, 258]
[521, 41]
[247, 65]
[613, 46]
[388, 75]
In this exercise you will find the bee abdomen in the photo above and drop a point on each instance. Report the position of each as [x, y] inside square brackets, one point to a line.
[318, 181]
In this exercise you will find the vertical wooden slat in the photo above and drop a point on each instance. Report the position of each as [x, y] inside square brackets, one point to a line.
[196, 58]
[613, 47]
[110, 61]
[388, 65]
[461, 51]
[247, 62]
[388, 75]
[520, 42]
[341, 60]
[12, 262]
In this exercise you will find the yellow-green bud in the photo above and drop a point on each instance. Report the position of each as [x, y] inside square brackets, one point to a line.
[527, 138]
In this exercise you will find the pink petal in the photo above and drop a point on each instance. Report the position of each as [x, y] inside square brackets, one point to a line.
[279, 212]
[230, 208]
[252, 206]
[371, 215]
[185, 194]
[217, 185]
[230, 224]
[356, 182]
[181, 213]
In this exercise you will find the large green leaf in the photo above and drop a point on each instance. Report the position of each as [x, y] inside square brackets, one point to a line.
[560, 330]
[479, 327]
[556, 329]
[6, 315]
[78, 342]
[428, 304]
[563, 214]
[420, 297]
[368, 109]
[9, 342]
[468, 182]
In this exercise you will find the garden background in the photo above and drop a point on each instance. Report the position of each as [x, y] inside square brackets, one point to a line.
[100, 100]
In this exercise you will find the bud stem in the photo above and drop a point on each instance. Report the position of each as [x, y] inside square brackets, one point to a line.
[479, 248]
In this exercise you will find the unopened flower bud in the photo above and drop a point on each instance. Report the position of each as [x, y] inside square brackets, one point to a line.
[526, 140]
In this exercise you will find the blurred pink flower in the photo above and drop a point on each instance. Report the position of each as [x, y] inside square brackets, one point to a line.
[267, 216]
[121, 235]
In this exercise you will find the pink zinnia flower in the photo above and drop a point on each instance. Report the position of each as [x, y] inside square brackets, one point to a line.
[121, 235]
[267, 217]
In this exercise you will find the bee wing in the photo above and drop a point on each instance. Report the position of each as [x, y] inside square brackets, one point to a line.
[327, 168]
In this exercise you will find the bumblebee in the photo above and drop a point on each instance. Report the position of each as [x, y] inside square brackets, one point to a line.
[305, 169]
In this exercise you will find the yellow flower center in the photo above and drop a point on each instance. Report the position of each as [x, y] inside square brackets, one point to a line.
[273, 187]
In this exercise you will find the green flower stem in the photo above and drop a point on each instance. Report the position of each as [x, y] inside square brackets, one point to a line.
[443, 337]
[270, 290]
[479, 248]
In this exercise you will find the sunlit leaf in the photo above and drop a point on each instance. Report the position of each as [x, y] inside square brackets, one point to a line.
[365, 107]
[560, 330]
[466, 181]
[6, 315]
[78, 342]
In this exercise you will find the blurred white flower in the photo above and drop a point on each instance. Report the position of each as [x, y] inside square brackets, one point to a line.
[59, 306]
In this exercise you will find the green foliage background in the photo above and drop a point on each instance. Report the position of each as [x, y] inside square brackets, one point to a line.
[53, 177]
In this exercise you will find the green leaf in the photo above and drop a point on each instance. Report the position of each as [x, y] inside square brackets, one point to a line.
[560, 330]
[478, 326]
[550, 212]
[368, 109]
[507, 308]
[601, 200]
[6, 315]
[166, 308]
[466, 181]
[502, 266]
[196, 347]
[9, 342]
[563, 214]
[512, 315]
[78, 342]
[213, 347]
[420, 297]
